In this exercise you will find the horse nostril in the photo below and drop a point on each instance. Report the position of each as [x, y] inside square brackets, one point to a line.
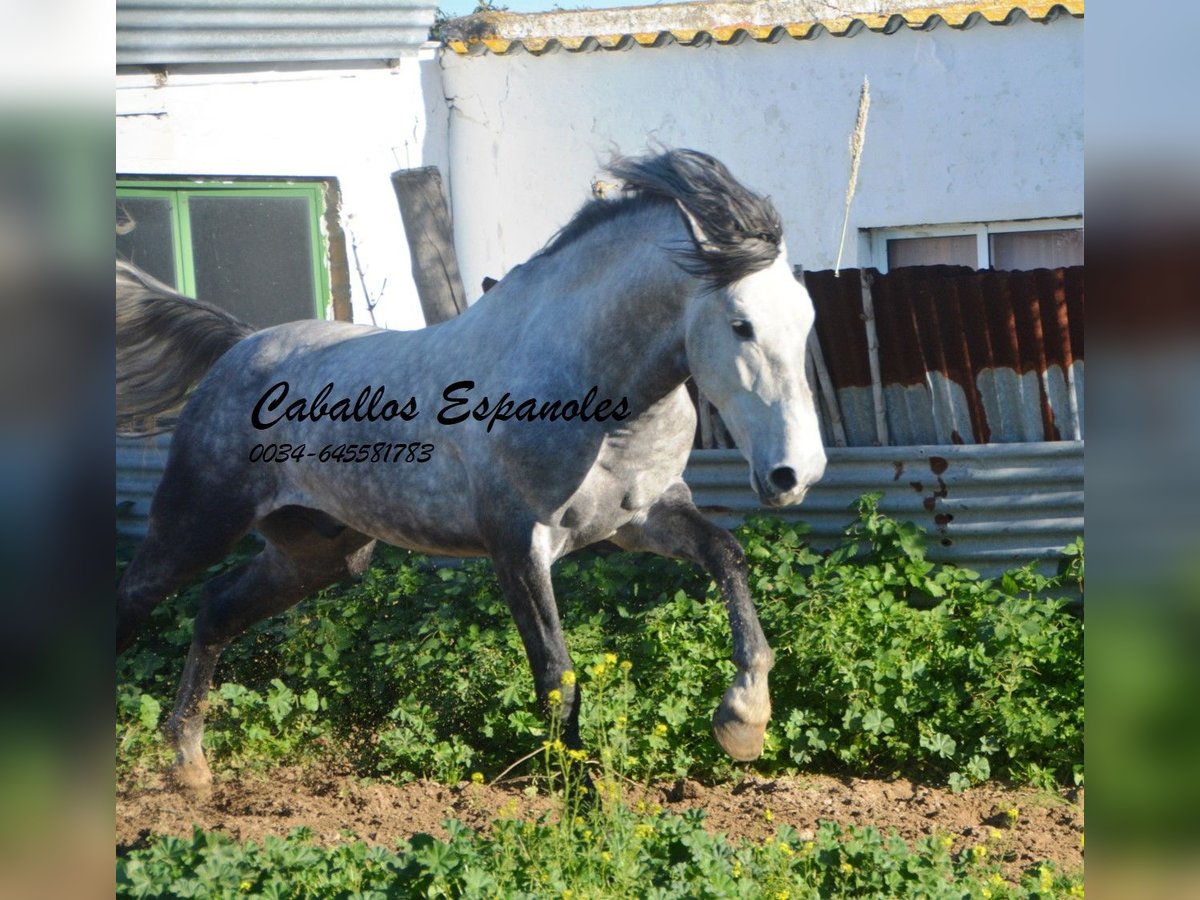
[784, 478]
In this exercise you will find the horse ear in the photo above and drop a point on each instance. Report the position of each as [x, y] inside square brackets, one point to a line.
[697, 232]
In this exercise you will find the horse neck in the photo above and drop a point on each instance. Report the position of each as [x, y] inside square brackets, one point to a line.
[628, 297]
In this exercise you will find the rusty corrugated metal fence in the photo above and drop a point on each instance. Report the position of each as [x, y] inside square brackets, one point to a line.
[988, 507]
[964, 356]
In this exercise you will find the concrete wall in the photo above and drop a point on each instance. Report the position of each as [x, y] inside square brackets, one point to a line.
[967, 125]
[354, 124]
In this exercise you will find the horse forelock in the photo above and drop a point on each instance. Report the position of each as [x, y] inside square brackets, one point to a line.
[742, 230]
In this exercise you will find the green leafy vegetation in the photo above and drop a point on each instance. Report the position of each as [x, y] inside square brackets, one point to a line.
[885, 664]
[593, 844]
[635, 855]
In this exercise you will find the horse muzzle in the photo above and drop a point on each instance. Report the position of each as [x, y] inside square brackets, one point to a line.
[782, 487]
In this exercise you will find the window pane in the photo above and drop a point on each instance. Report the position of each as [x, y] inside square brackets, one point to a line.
[954, 250]
[145, 235]
[1037, 249]
[254, 256]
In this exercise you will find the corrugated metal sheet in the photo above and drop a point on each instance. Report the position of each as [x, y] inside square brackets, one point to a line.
[700, 24]
[986, 507]
[965, 356]
[159, 32]
[140, 464]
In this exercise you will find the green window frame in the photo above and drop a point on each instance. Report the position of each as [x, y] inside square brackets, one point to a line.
[178, 191]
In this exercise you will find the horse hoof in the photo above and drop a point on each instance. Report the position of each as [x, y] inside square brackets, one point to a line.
[741, 740]
[193, 779]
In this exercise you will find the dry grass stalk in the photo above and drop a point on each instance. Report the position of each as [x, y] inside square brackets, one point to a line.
[857, 138]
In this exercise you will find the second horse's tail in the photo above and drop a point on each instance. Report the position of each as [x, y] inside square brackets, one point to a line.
[166, 342]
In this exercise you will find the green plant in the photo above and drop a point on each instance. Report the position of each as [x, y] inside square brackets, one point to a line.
[619, 855]
[886, 663]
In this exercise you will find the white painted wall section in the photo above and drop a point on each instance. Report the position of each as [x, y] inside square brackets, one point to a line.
[981, 124]
[356, 125]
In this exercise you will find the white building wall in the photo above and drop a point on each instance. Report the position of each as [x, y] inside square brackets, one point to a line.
[973, 125]
[356, 125]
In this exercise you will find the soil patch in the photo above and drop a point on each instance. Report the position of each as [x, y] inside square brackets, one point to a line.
[338, 808]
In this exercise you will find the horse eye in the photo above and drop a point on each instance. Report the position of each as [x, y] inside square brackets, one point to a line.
[743, 329]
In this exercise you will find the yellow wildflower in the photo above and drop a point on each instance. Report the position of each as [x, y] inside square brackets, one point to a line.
[985, 893]
[737, 869]
[626, 665]
[1013, 813]
[768, 815]
[785, 849]
[997, 879]
[1076, 890]
[947, 842]
[245, 886]
[610, 658]
[568, 678]
[622, 721]
[567, 894]
[577, 755]
[979, 852]
[599, 669]
[644, 830]
[782, 895]
[808, 846]
[555, 697]
[476, 778]
[606, 856]
[1081, 842]
[995, 834]
[846, 867]
[661, 729]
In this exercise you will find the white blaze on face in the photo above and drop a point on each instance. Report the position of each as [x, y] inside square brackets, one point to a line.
[746, 346]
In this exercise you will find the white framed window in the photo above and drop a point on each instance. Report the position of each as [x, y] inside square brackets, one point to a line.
[1013, 245]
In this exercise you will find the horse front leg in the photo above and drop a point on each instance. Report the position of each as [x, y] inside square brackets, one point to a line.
[525, 580]
[675, 528]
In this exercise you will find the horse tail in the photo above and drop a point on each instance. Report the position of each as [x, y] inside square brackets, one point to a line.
[166, 342]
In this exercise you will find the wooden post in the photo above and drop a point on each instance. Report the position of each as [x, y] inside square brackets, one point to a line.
[827, 391]
[430, 243]
[868, 305]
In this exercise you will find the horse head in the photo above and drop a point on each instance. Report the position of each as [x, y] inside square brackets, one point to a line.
[746, 345]
[746, 323]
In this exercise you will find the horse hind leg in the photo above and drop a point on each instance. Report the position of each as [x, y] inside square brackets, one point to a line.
[173, 553]
[193, 525]
[306, 551]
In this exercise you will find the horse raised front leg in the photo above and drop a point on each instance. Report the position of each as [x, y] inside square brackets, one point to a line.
[525, 580]
[674, 527]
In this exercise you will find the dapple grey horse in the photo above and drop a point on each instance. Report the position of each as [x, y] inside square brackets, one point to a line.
[553, 414]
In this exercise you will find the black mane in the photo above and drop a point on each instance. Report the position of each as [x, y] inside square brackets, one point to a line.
[742, 231]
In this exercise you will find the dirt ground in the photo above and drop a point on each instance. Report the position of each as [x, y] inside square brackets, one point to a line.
[1048, 826]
